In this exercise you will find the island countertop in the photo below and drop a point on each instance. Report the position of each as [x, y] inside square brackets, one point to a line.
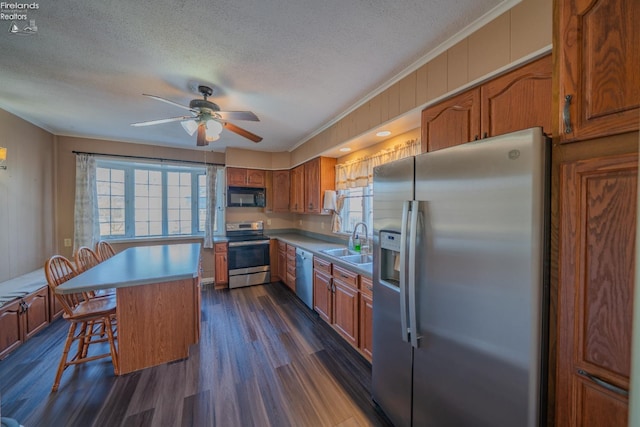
[138, 266]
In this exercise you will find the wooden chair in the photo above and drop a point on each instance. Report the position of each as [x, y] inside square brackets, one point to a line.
[86, 258]
[84, 313]
[104, 250]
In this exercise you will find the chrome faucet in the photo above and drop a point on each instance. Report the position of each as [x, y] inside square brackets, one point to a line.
[366, 236]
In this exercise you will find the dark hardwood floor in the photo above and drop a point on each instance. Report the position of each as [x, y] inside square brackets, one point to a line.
[264, 359]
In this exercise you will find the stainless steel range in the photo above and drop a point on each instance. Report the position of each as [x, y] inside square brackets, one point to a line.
[248, 255]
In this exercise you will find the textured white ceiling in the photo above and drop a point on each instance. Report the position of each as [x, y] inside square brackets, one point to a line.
[297, 64]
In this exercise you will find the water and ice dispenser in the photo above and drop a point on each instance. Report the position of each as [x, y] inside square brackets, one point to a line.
[390, 257]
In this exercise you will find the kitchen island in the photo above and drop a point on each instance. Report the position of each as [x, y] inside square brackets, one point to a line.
[158, 301]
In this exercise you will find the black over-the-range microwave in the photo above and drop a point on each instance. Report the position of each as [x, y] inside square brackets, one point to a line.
[246, 197]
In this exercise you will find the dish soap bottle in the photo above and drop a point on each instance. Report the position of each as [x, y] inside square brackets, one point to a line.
[356, 244]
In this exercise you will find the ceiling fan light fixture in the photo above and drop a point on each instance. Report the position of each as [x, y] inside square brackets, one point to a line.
[214, 128]
[190, 126]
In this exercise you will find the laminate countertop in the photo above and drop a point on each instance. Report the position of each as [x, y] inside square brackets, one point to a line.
[137, 266]
[316, 246]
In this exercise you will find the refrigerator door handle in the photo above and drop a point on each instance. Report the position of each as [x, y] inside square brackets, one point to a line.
[403, 271]
[413, 237]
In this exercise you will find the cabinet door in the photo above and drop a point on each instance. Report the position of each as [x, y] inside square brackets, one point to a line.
[10, 327]
[597, 253]
[319, 175]
[282, 265]
[322, 293]
[55, 308]
[451, 122]
[281, 191]
[236, 177]
[312, 186]
[37, 313]
[296, 202]
[345, 311]
[221, 264]
[518, 100]
[255, 178]
[598, 63]
[366, 324]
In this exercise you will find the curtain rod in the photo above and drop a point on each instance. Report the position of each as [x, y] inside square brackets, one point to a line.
[149, 158]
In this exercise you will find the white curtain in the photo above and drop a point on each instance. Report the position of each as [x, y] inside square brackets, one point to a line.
[359, 173]
[210, 222]
[85, 216]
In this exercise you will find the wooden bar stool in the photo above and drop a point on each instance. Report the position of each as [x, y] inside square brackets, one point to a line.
[87, 314]
[85, 259]
[104, 250]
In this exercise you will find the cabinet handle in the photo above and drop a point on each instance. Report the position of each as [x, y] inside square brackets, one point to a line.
[603, 383]
[486, 135]
[566, 114]
[477, 137]
[369, 287]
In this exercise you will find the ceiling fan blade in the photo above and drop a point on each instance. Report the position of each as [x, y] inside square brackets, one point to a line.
[238, 115]
[184, 107]
[157, 122]
[242, 132]
[201, 141]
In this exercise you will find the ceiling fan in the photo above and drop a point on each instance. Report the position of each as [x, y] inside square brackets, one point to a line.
[206, 118]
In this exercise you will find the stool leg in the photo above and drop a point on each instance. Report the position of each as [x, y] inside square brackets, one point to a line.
[63, 360]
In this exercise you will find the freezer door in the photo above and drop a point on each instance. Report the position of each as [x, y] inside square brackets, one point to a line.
[481, 276]
[391, 367]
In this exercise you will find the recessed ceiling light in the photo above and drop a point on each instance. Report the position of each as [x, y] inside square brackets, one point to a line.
[345, 149]
[383, 133]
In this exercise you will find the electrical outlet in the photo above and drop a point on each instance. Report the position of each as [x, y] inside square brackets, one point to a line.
[67, 243]
[322, 225]
[268, 222]
[300, 222]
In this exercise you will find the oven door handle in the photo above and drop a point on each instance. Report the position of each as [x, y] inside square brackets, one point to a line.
[248, 243]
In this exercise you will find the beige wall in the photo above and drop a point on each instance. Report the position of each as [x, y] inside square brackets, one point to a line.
[26, 197]
[66, 164]
[524, 30]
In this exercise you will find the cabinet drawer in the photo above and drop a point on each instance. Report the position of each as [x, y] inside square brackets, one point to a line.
[291, 250]
[220, 247]
[366, 285]
[321, 265]
[291, 268]
[345, 276]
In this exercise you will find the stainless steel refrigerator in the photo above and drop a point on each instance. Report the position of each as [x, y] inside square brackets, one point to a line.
[461, 284]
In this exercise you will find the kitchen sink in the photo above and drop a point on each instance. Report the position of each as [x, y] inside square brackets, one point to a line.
[357, 259]
[339, 252]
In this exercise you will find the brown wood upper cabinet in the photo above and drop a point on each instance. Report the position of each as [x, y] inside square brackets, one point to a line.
[240, 177]
[517, 100]
[319, 175]
[598, 62]
[280, 191]
[296, 190]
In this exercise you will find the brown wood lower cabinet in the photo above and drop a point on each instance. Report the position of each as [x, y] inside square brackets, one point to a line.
[595, 295]
[323, 289]
[291, 268]
[11, 335]
[23, 318]
[344, 299]
[282, 261]
[221, 264]
[366, 316]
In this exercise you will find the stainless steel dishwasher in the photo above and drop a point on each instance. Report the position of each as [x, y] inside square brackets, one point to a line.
[304, 276]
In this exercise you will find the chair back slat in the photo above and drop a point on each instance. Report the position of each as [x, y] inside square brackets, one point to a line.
[104, 250]
[86, 258]
[58, 270]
